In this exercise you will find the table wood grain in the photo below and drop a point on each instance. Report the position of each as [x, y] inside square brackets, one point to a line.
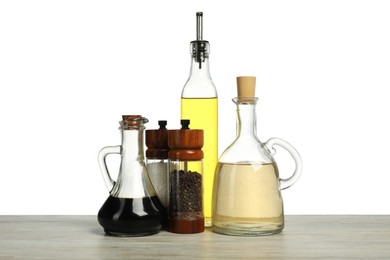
[310, 237]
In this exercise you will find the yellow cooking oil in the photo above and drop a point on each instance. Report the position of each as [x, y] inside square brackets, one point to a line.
[203, 114]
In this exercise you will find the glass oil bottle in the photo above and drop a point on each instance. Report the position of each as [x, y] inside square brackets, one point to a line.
[199, 103]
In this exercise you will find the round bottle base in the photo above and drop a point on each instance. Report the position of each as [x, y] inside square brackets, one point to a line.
[208, 222]
[120, 234]
[247, 230]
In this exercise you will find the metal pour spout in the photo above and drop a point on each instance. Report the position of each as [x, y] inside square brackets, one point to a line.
[199, 26]
[200, 48]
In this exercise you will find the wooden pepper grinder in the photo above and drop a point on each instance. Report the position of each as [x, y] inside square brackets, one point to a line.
[185, 169]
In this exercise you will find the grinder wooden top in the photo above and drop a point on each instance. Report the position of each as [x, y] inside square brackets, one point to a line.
[185, 144]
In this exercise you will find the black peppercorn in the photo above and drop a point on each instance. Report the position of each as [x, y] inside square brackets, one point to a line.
[185, 191]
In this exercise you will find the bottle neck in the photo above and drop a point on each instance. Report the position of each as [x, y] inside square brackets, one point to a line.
[199, 83]
[130, 183]
[246, 120]
[132, 145]
[200, 69]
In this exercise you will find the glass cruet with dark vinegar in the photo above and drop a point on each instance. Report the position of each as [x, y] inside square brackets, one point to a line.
[133, 208]
[247, 197]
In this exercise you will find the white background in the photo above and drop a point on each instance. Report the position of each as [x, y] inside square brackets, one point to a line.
[70, 69]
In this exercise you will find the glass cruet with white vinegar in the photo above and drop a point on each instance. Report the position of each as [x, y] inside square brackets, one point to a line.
[247, 198]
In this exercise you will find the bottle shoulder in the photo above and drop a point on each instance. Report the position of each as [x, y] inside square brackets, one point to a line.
[246, 151]
[199, 88]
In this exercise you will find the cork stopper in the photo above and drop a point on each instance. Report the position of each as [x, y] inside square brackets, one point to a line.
[157, 142]
[132, 122]
[185, 144]
[246, 86]
[131, 117]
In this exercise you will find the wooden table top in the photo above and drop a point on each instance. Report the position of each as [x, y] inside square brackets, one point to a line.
[307, 236]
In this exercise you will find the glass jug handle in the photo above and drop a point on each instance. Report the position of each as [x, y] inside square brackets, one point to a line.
[285, 183]
[103, 166]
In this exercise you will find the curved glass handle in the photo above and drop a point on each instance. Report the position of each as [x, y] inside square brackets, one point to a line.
[103, 166]
[285, 183]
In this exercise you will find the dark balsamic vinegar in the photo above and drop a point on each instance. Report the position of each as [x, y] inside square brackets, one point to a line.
[131, 217]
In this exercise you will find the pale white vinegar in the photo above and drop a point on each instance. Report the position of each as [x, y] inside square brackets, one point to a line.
[247, 199]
